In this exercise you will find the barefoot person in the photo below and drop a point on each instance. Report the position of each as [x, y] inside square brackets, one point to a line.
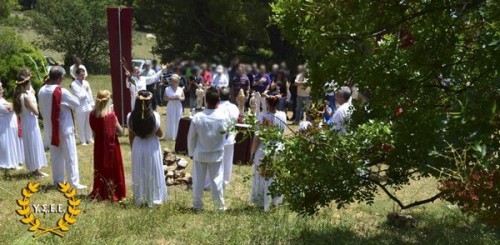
[109, 180]
[11, 146]
[148, 178]
[206, 139]
[56, 104]
[26, 107]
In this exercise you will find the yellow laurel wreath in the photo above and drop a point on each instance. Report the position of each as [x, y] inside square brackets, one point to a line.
[35, 224]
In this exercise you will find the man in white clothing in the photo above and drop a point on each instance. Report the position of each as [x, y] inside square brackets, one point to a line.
[206, 140]
[77, 65]
[56, 104]
[231, 110]
[344, 111]
[220, 79]
[136, 82]
[81, 89]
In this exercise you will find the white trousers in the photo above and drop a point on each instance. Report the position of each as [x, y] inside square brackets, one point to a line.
[83, 124]
[64, 158]
[228, 166]
[215, 173]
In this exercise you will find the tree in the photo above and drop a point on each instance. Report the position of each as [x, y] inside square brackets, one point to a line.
[430, 73]
[214, 30]
[76, 27]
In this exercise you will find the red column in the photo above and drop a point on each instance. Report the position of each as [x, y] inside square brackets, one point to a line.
[120, 47]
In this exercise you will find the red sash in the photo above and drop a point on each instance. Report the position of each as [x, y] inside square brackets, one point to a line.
[19, 128]
[55, 115]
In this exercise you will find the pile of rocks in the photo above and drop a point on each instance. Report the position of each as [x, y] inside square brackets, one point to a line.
[175, 169]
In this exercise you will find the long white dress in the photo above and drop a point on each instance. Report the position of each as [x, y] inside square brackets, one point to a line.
[11, 146]
[174, 113]
[32, 137]
[259, 194]
[148, 178]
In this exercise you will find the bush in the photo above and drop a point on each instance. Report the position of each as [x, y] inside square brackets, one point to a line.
[14, 55]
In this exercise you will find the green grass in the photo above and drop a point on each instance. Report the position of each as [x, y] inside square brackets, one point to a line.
[174, 223]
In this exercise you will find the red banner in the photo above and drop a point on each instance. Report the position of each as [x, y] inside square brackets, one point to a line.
[120, 47]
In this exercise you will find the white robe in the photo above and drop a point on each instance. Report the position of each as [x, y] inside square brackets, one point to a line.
[81, 89]
[63, 157]
[11, 146]
[148, 178]
[260, 195]
[140, 84]
[340, 117]
[174, 113]
[72, 70]
[220, 80]
[206, 140]
[32, 137]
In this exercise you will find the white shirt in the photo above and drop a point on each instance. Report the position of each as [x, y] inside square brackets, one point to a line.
[68, 102]
[148, 73]
[207, 135]
[143, 81]
[72, 70]
[230, 110]
[302, 90]
[340, 116]
[81, 89]
[220, 80]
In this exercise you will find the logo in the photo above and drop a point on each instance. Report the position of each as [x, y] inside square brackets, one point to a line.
[28, 210]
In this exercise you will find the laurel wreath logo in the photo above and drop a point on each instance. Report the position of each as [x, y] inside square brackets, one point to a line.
[35, 224]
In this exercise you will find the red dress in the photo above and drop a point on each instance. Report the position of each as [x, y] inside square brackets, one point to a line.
[109, 180]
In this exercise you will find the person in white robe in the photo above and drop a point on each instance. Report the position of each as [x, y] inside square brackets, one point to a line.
[260, 194]
[232, 111]
[343, 113]
[136, 82]
[26, 107]
[206, 139]
[78, 65]
[11, 145]
[174, 95]
[81, 89]
[148, 178]
[56, 105]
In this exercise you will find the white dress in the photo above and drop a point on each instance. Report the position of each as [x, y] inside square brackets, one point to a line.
[174, 113]
[148, 178]
[260, 195]
[32, 137]
[11, 146]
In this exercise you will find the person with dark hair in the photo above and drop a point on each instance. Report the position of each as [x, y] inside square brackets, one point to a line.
[206, 138]
[260, 195]
[81, 89]
[195, 84]
[56, 105]
[109, 179]
[11, 145]
[26, 108]
[148, 178]
[260, 84]
[78, 65]
[240, 81]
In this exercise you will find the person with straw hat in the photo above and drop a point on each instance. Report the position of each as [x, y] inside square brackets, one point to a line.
[148, 177]
[109, 179]
[26, 107]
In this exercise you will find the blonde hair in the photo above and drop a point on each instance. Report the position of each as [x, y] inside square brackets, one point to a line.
[103, 103]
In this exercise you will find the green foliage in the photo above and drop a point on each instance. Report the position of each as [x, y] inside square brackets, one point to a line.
[78, 28]
[430, 72]
[214, 30]
[14, 55]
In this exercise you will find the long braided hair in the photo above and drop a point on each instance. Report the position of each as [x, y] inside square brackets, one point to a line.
[142, 119]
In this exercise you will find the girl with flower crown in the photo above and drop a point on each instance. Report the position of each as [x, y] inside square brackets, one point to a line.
[109, 180]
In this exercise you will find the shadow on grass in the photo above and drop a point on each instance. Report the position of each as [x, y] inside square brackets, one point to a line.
[427, 230]
[15, 176]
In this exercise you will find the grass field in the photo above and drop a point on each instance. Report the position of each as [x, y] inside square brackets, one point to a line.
[175, 223]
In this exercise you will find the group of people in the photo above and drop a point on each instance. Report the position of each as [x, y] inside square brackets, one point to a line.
[210, 143]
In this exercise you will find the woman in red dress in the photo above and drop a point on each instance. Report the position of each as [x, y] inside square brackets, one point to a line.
[109, 180]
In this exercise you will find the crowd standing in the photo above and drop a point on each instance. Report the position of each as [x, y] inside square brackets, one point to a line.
[220, 96]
